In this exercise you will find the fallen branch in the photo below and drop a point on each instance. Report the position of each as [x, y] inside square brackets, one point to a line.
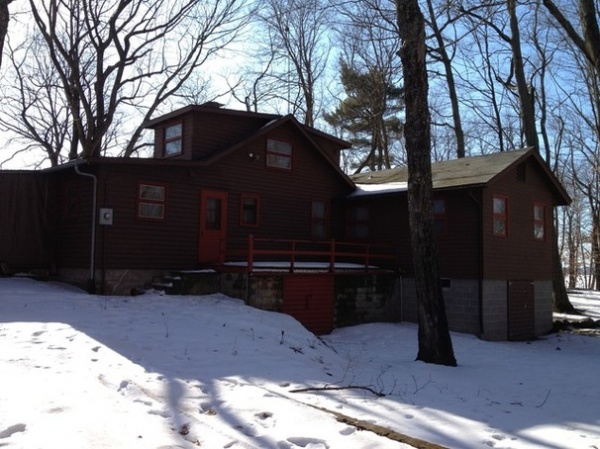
[349, 387]
[545, 399]
[380, 430]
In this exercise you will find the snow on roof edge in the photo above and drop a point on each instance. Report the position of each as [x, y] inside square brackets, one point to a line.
[374, 189]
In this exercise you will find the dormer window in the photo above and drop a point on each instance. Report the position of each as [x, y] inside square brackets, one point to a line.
[279, 154]
[173, 139]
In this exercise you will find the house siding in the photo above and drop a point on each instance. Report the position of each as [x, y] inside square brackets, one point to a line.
[518, 255]
[458, 249]
[205, 133]
[285, 205]
[27, 212]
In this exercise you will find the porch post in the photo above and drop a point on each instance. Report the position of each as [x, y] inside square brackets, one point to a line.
[250, 264]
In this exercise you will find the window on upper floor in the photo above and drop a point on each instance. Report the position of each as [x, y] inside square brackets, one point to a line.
[539, 221]
[440, 217]
[173, 139]
[279, 154]
[151, 201]
[319, 219]
[249, 210]
[357, 222]
[500, 216]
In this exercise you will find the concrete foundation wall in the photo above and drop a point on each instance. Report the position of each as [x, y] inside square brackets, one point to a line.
[359, 298]
[495, 310]
[111, 282]
[367, 298]
[461, 297]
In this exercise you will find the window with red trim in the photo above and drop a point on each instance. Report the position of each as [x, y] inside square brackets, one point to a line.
[279, 154]
[173, 139]
[151, 201]
[319, 219]
[249, 210]
[440, 217]
[500, 216]
[539, 221]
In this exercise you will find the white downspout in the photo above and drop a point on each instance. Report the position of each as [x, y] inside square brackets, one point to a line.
[92, 279]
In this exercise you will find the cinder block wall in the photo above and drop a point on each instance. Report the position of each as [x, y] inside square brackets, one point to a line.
[495, 310]
[461, 298]
[366, 298]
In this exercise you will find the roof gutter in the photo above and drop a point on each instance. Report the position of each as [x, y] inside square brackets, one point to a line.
[91, 286]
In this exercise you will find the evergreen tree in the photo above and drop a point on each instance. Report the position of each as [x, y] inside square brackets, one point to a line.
[368, 114]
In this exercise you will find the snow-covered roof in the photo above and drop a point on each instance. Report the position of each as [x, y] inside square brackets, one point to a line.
[375, 189]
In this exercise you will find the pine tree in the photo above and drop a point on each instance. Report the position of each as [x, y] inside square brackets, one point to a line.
[369, 114]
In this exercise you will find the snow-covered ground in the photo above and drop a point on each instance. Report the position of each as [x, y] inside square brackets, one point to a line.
[80, 371]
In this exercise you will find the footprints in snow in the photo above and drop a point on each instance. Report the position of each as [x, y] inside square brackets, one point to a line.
[496, 438]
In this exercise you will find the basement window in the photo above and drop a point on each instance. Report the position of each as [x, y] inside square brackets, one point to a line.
[151, 202]
[279, 154]
[173, 139]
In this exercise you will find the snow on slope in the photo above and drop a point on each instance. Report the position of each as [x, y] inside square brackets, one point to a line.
[81, 371]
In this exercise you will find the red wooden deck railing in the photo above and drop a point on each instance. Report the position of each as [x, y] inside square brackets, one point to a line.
[365, 256]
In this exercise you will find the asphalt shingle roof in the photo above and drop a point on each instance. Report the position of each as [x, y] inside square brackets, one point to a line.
[476, 170]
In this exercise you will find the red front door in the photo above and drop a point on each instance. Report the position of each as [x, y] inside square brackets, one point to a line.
[213, 226]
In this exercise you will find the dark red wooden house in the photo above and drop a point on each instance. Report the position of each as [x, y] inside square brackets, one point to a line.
[224, 182]
[494, 228]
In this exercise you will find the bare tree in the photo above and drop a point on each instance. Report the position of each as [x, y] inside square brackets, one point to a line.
[297, 37]
[124, 58]
[435, 344]
[588, 41]
[33, 109]
[526, 91]
[443, 53]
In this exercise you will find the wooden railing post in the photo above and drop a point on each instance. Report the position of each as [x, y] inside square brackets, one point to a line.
[250, 264]
[293, 256]
[332, 256]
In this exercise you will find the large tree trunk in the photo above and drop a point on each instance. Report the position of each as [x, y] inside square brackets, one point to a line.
[561, 298]
[4, 17]
[435, 344]
[526, 92]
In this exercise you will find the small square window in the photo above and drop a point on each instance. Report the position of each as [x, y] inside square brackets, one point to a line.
[151, 201]
[279, 154]
[173, 139]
